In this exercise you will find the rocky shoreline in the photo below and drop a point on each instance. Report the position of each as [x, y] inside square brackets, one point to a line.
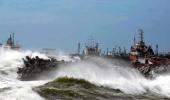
[35, 67]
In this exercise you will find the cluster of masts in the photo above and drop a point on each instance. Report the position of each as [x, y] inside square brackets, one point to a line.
[92, 48]
[141, 48]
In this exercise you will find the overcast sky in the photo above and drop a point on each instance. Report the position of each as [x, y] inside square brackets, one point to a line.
[61, 24]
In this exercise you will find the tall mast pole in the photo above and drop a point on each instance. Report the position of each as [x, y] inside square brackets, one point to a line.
[78, 50]
[141, 35]
[134, 41]
[156, 50]
[13, 40]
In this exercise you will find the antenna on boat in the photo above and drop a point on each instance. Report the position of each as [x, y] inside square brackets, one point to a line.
[107, 52]
[13, 39]
[134, 40]
[10, 40]
[124, 50]
[141, 35]
[78, 49]
[156, 51]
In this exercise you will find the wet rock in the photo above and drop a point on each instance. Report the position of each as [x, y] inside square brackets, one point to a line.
[34, 67]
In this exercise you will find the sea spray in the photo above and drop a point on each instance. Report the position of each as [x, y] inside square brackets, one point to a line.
[112, 74]
[12, 88]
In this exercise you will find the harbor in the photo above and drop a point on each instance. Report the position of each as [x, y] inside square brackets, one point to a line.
[141, 57]
[84, 50]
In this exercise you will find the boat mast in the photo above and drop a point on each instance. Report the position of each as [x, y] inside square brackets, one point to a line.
[78, 49]
[134, 41]
[13, 40]
[141, 35]
[156, 51]
[10, 40]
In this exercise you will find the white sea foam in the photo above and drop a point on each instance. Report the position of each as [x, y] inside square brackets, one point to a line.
[111, 73]
[114, 75]
[10, 87]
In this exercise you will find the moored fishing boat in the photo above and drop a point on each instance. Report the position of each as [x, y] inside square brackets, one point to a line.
[144, 58]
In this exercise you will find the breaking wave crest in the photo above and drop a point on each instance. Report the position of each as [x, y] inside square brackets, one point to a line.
[116, 75]
[12, 88]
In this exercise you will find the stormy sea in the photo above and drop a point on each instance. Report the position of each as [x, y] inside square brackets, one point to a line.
[92, 79]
